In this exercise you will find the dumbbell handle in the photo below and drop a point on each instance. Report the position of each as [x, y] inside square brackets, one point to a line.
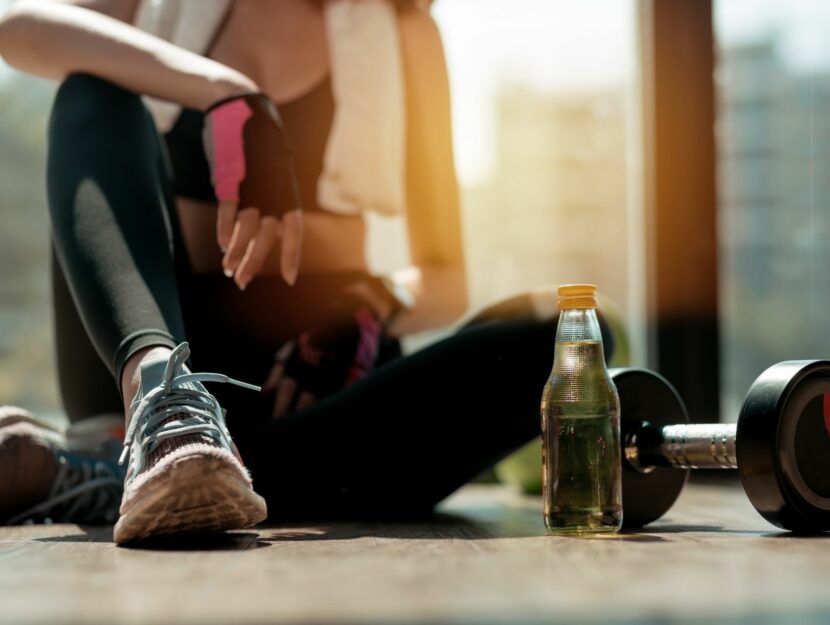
[684, 446]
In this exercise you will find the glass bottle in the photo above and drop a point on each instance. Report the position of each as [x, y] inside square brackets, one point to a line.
[582, 472]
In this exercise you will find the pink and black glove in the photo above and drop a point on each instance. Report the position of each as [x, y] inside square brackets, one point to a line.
[320, 362]
[252, 169]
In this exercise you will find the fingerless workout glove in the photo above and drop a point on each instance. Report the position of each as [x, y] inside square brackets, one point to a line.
[250, 156]
[323, 361]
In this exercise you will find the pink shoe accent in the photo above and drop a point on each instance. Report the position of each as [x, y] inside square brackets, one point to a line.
[227, 123]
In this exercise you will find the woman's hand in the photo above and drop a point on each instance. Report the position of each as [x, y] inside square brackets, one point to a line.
[321, 362]
[253, 175]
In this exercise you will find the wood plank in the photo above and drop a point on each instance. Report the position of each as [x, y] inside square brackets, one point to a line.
[485, 558]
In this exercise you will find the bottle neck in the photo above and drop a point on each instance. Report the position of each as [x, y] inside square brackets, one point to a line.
[578, 329]
[578, 324]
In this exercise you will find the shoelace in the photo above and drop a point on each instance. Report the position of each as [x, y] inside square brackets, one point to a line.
[86, 490]
[170, 399]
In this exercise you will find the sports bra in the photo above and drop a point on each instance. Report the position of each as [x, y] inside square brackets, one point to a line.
[307, 120]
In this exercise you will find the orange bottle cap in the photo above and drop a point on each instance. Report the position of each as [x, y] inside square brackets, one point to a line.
[577, 296]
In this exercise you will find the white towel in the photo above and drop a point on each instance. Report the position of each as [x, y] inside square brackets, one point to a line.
[364, 166]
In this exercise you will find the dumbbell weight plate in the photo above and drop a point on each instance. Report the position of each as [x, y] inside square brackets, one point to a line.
[646, 396]
[783, 445]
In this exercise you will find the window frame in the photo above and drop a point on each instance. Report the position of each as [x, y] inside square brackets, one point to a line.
[677, 61]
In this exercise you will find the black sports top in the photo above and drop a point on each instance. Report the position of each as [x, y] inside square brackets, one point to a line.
[307, 121]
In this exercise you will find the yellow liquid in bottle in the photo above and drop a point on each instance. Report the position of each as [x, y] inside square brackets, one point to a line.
[581, 443]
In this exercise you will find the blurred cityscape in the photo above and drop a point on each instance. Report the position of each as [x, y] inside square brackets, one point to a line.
[773, 137]
[555, 211]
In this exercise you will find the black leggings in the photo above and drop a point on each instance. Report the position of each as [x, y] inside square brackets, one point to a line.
[397, 442]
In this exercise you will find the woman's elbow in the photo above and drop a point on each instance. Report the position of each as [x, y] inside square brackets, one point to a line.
[6, 24]
[14, 23]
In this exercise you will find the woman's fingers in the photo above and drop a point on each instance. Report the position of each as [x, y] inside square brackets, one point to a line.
[285, 393]
[225, 219]
[273, 378]
[245, 229]
[257, 251]
[251, 241]
[286, 390]
[292, 244]
[306, 399]
[278, 370]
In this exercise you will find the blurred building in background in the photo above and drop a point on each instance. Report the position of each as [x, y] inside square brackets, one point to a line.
[555, 210]
[773, 133]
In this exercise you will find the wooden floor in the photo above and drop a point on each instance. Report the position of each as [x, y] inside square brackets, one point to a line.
[485, 559]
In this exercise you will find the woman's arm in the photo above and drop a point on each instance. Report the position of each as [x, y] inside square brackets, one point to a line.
[437, 278]
[53, 39]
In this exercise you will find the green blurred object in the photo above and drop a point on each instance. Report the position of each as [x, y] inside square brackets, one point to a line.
[523, 469]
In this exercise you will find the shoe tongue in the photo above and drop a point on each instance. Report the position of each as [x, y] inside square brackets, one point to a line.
[152, 375]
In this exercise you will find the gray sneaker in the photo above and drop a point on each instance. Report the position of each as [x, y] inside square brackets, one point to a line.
[184, 472]
[44, 477]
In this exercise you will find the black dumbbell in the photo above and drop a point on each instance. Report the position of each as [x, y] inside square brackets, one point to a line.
[780, 445]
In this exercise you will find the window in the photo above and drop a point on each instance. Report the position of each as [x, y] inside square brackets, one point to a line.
[773, 149]
[544, 98]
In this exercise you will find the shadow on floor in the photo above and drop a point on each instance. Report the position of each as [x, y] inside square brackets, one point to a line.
[683, 529]
[484, 525]
[224, 541]
[436, 527]
[794, 536]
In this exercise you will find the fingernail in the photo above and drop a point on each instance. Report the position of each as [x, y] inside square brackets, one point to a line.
[291, 279]
[228, 273]
[224, 248]
[243, 286]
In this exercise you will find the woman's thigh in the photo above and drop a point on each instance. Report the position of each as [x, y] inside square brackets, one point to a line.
[415, 430]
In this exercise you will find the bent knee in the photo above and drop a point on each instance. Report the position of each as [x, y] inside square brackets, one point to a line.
[85, 99]
[83, 86]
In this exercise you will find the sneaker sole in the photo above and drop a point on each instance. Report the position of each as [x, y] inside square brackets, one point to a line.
[196, 494]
